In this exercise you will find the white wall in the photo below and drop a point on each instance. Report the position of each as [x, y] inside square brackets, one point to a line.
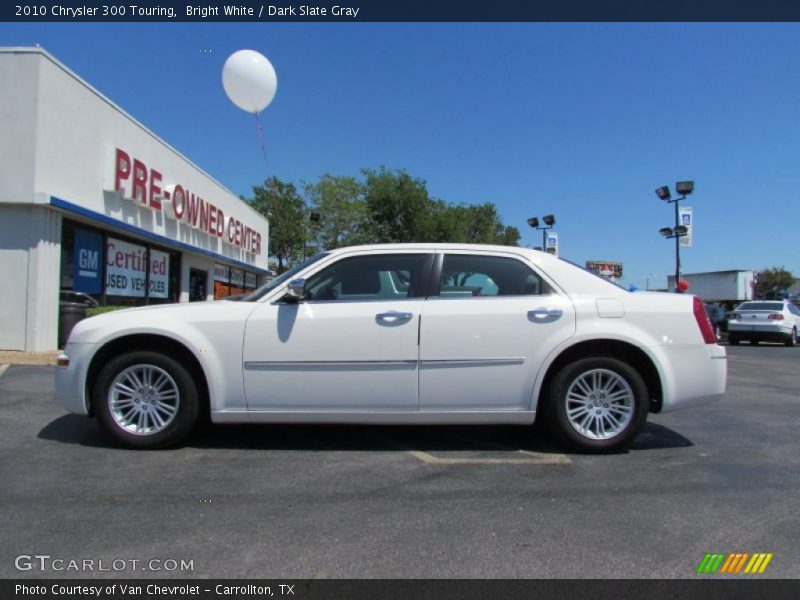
[62, 135]
[30, 263]
[19, 74]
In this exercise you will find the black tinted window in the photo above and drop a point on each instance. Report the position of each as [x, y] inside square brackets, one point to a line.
[465, 275]
[380, 277]
[761, 306]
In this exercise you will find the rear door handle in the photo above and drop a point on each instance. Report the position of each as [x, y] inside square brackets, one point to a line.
[545, 315]
[393, 317]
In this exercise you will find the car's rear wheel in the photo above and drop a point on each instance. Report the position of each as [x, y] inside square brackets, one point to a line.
[733, 340]
[596, 404]
[146, 399]
[791, 340]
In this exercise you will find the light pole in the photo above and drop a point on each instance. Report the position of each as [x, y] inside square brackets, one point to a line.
[313, 221]
[549, 222]
[683, 189]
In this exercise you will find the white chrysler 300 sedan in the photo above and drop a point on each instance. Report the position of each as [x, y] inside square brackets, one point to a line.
[408, 333]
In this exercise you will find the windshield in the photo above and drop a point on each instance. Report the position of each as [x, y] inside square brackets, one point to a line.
[761, 306]
[283, 277]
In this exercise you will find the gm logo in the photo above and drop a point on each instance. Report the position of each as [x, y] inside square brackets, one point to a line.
[734, 563]
[88, 262]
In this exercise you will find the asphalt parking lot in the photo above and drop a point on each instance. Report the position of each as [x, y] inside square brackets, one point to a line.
[364, 502]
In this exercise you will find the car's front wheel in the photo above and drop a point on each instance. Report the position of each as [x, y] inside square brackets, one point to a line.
[146, 399]
[596, 404]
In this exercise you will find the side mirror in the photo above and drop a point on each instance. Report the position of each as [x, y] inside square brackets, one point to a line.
[296, 290]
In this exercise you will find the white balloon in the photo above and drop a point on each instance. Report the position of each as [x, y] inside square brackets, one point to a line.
[249, 80]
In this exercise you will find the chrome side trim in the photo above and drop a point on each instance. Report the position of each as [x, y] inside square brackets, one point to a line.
[327, 364]
[472, 362]
[415, 417]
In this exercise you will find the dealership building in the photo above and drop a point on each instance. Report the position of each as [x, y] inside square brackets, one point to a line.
[91, 201]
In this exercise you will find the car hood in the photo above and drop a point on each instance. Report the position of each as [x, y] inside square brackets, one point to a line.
[157, 318]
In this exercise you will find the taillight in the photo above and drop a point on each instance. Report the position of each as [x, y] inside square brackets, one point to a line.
[775, 317]
[703, 322]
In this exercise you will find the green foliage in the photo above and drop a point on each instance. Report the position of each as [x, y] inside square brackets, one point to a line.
[771, 281]
[398, 206]
[281, 204]
[99, 310]
[342, 208]
[388, 206]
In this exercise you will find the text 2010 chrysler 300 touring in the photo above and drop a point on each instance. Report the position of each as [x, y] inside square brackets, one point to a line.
[411, 333]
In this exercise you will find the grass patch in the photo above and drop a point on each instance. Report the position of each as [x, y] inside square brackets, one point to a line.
[99, 310]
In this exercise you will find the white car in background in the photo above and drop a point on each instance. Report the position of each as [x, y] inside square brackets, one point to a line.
[764, 320]
[407, 333]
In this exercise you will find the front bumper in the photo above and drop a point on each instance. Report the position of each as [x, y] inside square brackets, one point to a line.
[70, 381]
[696, 375]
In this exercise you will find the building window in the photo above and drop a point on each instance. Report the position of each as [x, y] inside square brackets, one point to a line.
[116, 271]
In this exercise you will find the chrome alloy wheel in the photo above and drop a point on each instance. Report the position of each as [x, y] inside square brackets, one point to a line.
[143, 399]
[599, 404]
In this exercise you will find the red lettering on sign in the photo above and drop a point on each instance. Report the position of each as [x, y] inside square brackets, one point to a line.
[212, 218]
[139, 191]
[193, 209]
[220, 223]
[155, 189]
[203, 213]
[122, 169]
[178, 201]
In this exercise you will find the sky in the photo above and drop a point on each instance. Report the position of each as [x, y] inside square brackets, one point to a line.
[583, 121]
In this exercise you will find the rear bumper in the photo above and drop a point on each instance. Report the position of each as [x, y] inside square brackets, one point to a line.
[760, 332]
[697, 375]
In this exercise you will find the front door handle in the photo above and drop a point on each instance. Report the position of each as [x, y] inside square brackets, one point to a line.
[545, 315]
[393, 317]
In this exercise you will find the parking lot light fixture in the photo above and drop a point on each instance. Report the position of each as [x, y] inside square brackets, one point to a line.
[683, 189]
[549, 222]
[663, 192]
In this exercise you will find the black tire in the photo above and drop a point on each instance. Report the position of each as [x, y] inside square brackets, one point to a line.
[188, 403]
[791, 339]
[555, 405]
[754, 342]
[733, 340]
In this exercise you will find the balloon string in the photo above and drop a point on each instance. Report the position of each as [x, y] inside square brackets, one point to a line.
[260, 133]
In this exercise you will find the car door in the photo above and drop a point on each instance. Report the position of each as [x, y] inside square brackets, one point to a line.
[485, 335]
[350, 345]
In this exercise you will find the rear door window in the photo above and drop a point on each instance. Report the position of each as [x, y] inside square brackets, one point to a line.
[471, 275]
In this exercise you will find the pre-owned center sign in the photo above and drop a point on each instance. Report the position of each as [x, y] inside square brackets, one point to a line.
[145, 185]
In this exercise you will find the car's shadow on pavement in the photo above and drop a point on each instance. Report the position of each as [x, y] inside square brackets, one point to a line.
[74, 429]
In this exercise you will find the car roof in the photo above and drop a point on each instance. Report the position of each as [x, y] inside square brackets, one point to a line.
[573, 277]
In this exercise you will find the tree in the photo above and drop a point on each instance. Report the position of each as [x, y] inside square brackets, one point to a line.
[771, 281]
[472, 224]
[342, 208]
[398, 207]
[280, 203]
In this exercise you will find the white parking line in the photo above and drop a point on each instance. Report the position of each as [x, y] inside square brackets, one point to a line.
[531, 458]
[516, 457]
